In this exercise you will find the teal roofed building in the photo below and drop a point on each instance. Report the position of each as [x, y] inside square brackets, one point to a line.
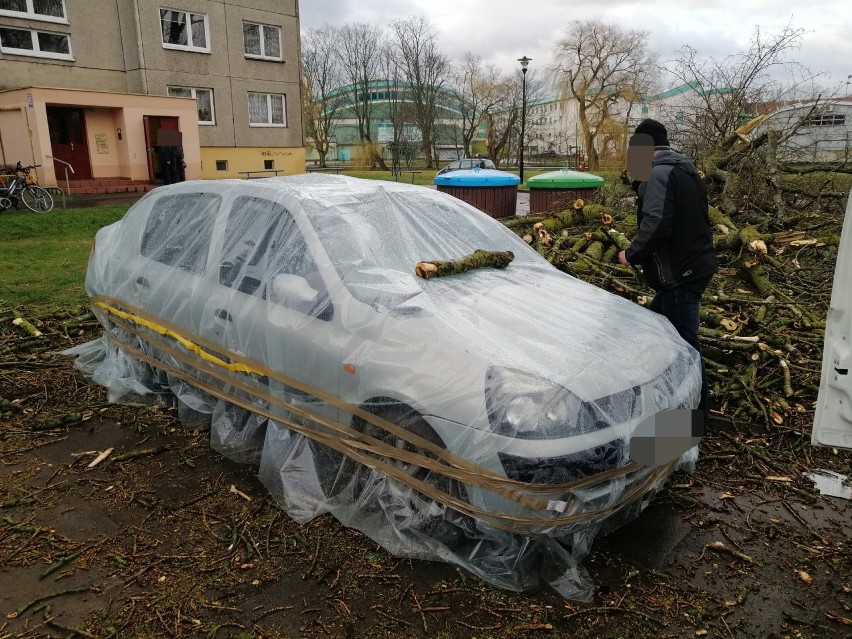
[393, 125]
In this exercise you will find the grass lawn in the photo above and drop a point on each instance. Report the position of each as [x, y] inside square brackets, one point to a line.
[43, 256]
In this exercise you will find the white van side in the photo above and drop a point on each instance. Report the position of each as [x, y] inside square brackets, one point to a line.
[833, 419]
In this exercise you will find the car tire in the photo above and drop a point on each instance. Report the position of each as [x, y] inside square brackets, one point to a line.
[406, 509]
[237, 433]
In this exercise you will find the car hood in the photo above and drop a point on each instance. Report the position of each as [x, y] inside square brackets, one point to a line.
[545, 323]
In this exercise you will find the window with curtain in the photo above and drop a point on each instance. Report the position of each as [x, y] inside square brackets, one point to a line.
[262, 41]
[184, 30]
[267, 109]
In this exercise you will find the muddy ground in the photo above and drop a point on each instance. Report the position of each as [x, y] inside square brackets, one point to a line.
[159, 544]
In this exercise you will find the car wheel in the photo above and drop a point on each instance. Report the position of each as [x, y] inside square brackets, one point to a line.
[405, 509]
[238, 433]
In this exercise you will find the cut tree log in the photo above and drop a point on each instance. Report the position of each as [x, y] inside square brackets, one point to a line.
[478, 259]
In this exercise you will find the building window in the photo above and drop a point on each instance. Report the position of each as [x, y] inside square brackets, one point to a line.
[262, 41]
[204, 99]
[185, 30]
[267, 109]
[46, 10]
[40, 44]
[827, 119]
[221, 165]
[269, 165]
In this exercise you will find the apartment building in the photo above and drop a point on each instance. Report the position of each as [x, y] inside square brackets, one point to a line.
[90, 83]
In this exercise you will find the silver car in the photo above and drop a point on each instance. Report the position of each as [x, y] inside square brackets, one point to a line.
[288, 309]
[467, 164]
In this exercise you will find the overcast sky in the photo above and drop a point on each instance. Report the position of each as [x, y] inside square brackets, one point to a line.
[501, 31]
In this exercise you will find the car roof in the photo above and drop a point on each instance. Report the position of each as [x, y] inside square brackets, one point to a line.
[299, 186]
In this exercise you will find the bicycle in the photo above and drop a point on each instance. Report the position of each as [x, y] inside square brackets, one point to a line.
[34, 197]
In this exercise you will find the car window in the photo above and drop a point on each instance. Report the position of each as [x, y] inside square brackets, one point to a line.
[178, 230]
[375, 247]
[265, 255]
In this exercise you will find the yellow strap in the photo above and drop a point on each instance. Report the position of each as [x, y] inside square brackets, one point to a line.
[191, 346]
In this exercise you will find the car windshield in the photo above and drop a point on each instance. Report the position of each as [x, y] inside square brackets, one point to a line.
[375, 241]
[472, 163]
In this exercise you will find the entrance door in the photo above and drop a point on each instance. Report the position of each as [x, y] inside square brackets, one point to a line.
[67, 127]
[833, 419]
[153, 124]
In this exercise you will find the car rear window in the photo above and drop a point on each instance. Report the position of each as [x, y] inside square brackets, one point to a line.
[179, 228]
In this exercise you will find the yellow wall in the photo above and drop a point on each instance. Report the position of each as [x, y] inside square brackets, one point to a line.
[288, 160]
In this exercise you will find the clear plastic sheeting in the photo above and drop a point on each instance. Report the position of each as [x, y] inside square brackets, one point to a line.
[481, 419]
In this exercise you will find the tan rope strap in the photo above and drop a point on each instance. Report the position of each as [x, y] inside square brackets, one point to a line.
[528, 526]
[355, 444]
[164, 328]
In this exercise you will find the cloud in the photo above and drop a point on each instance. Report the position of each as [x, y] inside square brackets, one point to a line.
[500, 31]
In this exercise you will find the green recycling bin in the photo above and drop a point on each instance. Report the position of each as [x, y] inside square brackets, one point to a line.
[557, 190]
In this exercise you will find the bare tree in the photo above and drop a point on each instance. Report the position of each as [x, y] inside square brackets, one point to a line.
[360, 49]
[723, 88]
[398, 108]
[477, 92]
[321, 76]
[602, 66]
[425, 71]
[503, 117]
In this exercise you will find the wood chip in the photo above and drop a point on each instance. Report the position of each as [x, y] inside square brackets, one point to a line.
[758, 246]
[779, 478]
[835, 617]
[728, 324]
[804, 576]
[233, 489]
[97, 460]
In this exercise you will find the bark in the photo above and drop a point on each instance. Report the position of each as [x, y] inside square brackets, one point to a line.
[477, 259]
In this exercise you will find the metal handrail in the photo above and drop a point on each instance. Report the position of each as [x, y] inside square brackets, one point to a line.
[67, 183]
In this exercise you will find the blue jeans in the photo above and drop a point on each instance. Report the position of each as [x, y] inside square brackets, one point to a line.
[680, 305]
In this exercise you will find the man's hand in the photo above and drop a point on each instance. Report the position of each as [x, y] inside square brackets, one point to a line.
[622, 257]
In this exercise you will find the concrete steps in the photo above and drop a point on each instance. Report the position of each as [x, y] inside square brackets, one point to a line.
[109, 185]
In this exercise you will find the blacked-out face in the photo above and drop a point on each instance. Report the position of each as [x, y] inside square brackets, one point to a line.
[640, 154]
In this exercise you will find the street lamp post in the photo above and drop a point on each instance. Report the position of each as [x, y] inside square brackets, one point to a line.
[525, 61]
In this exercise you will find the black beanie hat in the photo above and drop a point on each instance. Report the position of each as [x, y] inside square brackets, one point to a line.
[656, 130]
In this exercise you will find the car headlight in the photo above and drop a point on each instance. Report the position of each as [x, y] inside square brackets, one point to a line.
[529, 407]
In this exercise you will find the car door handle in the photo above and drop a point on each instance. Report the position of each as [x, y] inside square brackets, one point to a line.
[222, 314]
[142, 281]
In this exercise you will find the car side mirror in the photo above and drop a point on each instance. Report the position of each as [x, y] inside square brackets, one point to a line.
[293, 291]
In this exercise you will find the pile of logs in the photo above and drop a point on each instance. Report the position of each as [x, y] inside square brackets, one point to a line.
[762, 317]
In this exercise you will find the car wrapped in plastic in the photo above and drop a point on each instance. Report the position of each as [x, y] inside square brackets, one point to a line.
[483, 418]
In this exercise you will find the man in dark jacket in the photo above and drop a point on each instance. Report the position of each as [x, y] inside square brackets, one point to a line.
[674, 243]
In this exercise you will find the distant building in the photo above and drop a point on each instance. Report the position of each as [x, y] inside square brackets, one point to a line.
[91, 82]
[823, 130]
[392, 123]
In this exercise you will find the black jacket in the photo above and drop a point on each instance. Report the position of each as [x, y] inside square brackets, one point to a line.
[674, 244]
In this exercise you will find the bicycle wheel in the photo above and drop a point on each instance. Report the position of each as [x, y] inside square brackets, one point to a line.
[36, 199]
